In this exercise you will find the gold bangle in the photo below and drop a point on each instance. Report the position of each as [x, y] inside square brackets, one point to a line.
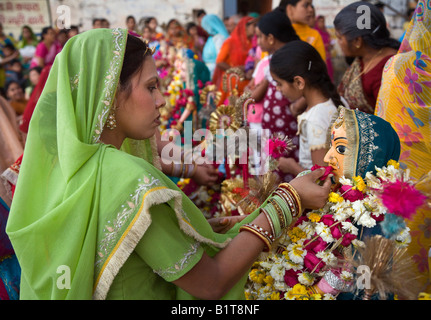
[295, 195]
[260, 234]
[271, 224]
[181, 170]
[186, 171]
[194, 169]
[279, 212]
[288, 198]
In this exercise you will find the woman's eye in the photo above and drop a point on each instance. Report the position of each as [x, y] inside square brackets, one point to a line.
[341, 149]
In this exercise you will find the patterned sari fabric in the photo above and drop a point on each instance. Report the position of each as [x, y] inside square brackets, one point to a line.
[405, 101]
[353, 85]
[80, 206]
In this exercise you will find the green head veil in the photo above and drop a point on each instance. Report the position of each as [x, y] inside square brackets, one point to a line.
[80, 206]
[372, 142]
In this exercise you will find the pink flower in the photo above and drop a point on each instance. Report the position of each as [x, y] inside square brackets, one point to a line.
[276, 148]
[402, 198]
[348, 193]
[410, 79]
[328, 170]
[300, 220]
[329, 221]
[406, 135]
[291, 278]
[313, 263]
[347, 239]
[315, 245]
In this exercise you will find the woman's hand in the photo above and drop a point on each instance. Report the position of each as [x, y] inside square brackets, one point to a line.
[313, 196]
[205, 175]
[289, 165]
[224, 224]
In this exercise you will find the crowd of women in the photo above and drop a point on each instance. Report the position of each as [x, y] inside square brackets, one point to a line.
[78, 183]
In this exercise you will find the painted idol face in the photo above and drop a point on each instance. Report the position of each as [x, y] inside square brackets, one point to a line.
[339, 147]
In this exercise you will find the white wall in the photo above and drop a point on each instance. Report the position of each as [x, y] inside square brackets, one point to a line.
[83, 11]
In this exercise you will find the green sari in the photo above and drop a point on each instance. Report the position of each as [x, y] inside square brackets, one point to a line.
[83, 210]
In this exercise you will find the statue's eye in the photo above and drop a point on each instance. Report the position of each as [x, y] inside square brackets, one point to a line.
[341, 149]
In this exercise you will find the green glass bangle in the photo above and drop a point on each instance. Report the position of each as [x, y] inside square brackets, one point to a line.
[286, 210]
[272, 214]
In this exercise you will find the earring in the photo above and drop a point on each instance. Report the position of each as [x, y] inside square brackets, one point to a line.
[111, 123]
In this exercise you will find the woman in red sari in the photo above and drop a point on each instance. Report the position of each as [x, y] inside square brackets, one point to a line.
[234, 52]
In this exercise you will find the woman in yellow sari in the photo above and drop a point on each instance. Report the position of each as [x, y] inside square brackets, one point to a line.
[405, 101]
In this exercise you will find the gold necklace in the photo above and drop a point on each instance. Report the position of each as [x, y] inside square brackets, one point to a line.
[368, 66]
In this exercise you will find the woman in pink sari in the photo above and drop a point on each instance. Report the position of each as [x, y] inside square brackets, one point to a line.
[46, 50]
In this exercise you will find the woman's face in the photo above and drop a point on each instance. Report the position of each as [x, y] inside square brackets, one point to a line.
[131, 24]
[34, 76]
[146, 34]
[14, 92]
[26, 34]
[250, 29]
[137, 114]
[336, 154]
[291, 91]
[153, 24]
[302, 13]
[345, 45]
[50, 35]
[262, 40]
[174, 29]
[321, 23]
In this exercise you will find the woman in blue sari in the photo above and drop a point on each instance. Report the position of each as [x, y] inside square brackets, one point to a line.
[218, 34]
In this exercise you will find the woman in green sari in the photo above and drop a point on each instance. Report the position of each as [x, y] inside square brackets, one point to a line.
[94, 217]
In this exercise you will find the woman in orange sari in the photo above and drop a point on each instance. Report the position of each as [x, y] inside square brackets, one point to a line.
[404, 100]
[234, 52]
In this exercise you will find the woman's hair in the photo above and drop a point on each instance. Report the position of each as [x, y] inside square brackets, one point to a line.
[44, 32]
[278, 24]
[376, 35]
[134, 57]
[283, 4]
[298, 58]
[189, 26]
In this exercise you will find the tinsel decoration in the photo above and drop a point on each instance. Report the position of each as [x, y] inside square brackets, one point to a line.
[391, 269]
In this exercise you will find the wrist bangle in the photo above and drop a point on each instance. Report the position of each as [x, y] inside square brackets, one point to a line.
[262, 234]
[272, 215]
[285, 209]
[291, 192]
[279, 211]
[186, 171]
[268, 218]
[195, 168]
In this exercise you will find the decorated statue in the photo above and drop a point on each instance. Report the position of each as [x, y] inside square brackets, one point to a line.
[361, 231]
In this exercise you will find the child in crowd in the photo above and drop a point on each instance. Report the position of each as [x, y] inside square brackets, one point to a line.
[198, 40]
[300, 71]
[14, 69]
[271, 110]
[300, 12]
